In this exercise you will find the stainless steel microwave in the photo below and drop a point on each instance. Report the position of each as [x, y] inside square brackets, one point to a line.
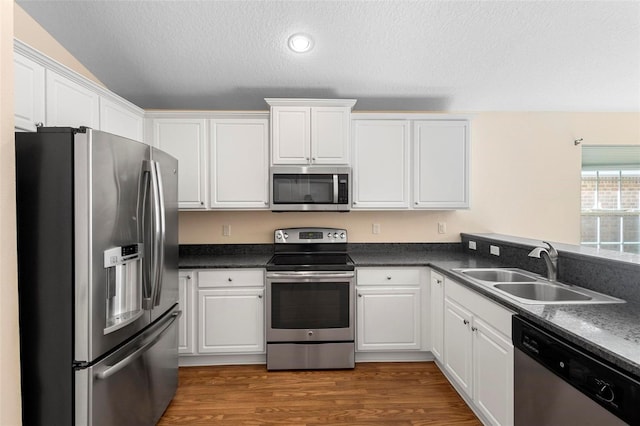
[310, 188]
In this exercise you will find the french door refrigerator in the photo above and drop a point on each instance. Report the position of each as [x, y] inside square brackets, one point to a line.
[97, 278]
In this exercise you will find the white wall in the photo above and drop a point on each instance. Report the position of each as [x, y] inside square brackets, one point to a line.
[525, 181]
[10, 412]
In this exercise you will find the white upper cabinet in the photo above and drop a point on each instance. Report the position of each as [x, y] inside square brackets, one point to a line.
[121, 120]
[310, 131]
[441, 164]
[330, 127]
[381, 164]
[70, 104]
[291, 140]
[29, 93]
[239, 163]
[184, 138]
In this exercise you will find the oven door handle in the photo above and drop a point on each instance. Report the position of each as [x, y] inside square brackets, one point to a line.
[310, 274]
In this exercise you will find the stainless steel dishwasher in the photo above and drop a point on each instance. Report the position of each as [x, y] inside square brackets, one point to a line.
[557, 383]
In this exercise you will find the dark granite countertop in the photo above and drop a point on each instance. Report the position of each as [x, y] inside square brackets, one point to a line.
[610, 331]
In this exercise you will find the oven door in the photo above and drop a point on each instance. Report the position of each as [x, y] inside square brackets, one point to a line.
[310, 306]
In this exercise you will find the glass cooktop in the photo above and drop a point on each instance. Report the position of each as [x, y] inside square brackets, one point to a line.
[310, 262]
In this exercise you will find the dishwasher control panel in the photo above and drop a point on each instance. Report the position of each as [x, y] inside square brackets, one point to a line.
[615, 390]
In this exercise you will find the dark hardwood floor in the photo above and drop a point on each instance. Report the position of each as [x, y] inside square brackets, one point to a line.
[371, 394]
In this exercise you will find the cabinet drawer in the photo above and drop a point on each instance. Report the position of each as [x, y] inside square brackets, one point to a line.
[231, 278]
[388, 276]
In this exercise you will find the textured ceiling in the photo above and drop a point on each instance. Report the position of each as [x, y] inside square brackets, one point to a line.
[393, 55]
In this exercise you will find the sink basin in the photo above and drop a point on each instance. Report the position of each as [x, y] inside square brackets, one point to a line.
[530, 288]
[498, 275]
[542, 292]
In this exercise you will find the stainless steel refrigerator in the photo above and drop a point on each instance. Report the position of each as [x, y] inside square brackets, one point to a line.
[97, 278]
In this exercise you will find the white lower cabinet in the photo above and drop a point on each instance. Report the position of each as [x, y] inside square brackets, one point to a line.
[478, 353]
[185, 324]
[231, 320]
[437, 315]
[390, 309]
[230, 311]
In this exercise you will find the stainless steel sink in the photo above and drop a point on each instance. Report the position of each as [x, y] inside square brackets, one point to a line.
[498, 275]
[529, 288]
[543, 292]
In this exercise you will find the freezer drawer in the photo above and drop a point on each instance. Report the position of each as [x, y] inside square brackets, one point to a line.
[135, 384]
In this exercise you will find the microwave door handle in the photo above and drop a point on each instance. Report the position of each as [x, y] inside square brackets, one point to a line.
[335, 189]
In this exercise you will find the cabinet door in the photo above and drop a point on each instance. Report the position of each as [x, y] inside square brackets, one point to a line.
[185, 324]
[185, 140]
[117, 119]
[388, 319]
[493, 373]
[330, 132]
[441, 164]
[239, 163]
[380, 164]
[231, 321]
[458, 345]
[437, 315]
[29, 93]
[291, 135]
[70, 104]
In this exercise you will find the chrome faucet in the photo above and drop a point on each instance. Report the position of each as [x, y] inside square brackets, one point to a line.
[550, 257]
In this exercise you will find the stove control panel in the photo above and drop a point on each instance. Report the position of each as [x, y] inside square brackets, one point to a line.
[310, 235]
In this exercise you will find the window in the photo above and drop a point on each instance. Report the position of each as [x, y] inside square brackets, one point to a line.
[611, 198]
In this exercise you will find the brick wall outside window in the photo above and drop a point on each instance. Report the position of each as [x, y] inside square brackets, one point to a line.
[611, 210]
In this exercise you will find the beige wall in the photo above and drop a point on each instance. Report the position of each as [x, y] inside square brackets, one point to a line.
[27, 30]
[10, 413]
[525, 181]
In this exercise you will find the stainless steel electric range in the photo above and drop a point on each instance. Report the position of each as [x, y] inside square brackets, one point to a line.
[310, 301]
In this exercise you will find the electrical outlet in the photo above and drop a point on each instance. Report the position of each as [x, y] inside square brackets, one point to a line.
[472, 245]
[375, 228]
[442, 227]
[494, 250]
[226, 230]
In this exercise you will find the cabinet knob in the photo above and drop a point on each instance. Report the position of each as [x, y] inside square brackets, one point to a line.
[310, 333]
[202, 203]
[465, 321]
[259, 296]
[474, 328]
[359, 295]
[416, 203]
[313, 159]
[230, 279]
[188, 277]
[388, 277]
[39, 124]
[439, 281]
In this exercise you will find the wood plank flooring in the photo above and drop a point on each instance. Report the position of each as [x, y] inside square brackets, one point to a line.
[371, 394]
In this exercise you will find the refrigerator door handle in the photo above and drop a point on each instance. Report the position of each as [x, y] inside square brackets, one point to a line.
[113, 369]
[161, 234]
[147, 197]
[156, 237]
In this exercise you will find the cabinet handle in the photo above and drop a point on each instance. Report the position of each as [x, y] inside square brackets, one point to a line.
[465, 321]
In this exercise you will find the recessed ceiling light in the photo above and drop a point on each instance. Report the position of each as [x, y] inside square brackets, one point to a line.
[300, 43]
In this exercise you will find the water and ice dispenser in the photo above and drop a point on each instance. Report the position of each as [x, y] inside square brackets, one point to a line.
[123, 267]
